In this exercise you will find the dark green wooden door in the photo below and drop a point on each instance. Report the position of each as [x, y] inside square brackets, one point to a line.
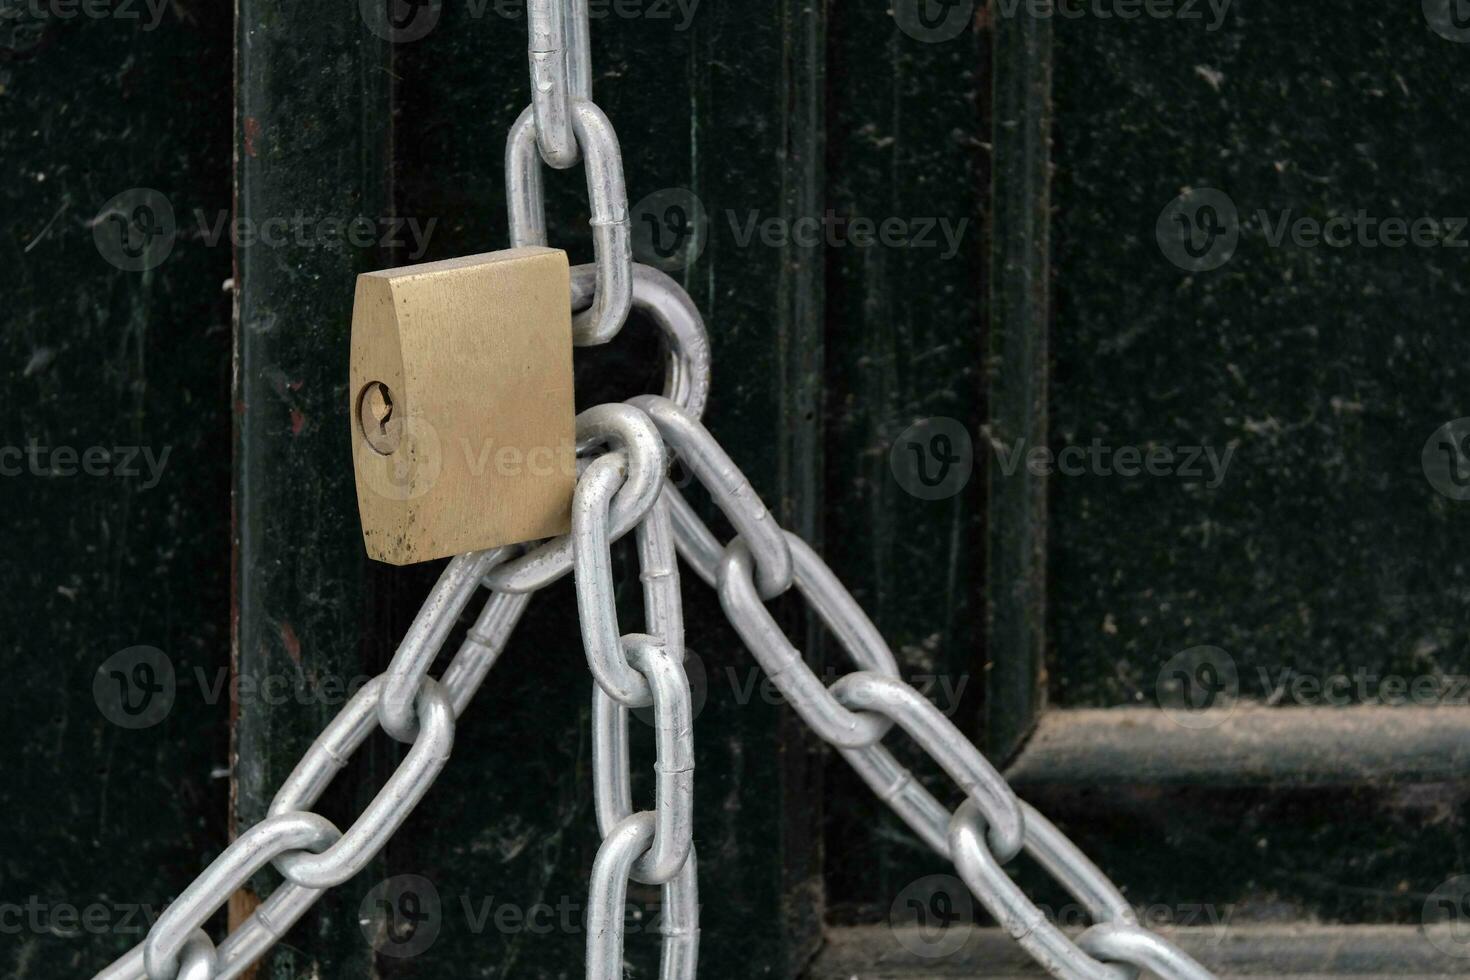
[1010, 250]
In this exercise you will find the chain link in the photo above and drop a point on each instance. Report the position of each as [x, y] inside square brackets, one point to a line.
[639, 445]
[398, 797]
[425, 636]
[561, 125]
[730, 490]
[551, 94]
[246, 855]
[662, 300]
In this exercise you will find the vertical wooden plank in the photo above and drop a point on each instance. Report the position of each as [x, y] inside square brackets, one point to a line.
[114, 473]
[1017, 378]
[905, 347]
[312, 173]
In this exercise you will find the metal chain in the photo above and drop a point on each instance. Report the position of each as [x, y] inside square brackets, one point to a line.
[561, 125]
[624, 489]
[624, 452]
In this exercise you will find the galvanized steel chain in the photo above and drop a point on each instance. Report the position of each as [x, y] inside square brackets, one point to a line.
[992, 825]
[623, 489]
[624, 455]
[560, 126]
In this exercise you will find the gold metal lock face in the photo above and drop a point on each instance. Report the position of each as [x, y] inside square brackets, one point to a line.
[463, 423]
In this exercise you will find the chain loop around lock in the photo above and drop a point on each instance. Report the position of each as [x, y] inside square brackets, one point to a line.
[608, 199]
[636, 441]
[625, 488]
[662, 300]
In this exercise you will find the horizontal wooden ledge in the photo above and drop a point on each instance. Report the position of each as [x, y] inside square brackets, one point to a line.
[1299, 952]
[1247, 745]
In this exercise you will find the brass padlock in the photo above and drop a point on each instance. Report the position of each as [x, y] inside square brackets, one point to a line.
[463, 422]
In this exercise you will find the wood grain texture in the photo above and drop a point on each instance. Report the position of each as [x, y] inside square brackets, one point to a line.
[311, 145]
[1249, 745]
[114, 474]
[1295, 952]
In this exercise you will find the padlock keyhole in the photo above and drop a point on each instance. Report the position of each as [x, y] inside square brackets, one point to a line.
[381, 429]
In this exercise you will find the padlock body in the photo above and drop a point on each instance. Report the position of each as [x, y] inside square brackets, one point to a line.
[460, 404]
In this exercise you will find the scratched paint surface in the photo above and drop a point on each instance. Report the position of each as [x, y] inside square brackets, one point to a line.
[313, 176]
[1322, 549]
[115, 385]
[904, 343]
[1311, 375]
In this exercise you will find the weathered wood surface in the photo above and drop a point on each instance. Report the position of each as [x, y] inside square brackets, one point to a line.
[114, 473]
